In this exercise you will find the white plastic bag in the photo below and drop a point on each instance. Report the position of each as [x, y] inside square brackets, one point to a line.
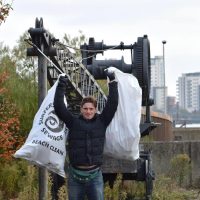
[123, 133]
[45, 145]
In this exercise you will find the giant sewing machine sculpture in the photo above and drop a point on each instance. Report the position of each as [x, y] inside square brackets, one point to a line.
[82, 82]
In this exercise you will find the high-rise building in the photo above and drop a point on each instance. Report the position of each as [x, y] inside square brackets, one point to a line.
[171, 105]
[188, 91]
[158, 88]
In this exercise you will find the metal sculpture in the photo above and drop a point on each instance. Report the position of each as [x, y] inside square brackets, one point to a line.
[82, 83]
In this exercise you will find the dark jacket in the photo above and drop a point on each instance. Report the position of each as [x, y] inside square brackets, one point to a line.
[86, 137]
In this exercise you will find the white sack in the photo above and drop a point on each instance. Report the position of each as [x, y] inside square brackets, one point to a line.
[45, 145]
[123, 133]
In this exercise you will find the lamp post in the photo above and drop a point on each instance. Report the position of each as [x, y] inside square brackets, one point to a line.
[165, 98]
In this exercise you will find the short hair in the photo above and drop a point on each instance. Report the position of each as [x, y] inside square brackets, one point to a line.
[89, 99]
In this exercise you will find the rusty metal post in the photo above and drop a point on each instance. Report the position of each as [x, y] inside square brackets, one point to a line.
[42, 91]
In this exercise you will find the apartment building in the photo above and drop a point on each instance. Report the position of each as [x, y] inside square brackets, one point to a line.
[188, 91]
[158, 87]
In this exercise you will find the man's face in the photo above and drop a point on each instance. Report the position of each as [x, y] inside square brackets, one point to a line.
[88, 110]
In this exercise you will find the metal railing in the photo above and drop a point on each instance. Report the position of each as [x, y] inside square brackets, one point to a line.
[82, 82]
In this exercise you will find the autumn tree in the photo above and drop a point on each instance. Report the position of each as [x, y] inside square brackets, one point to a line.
[18, 103]
[9, 117]
[18, 92]
[9, 123]
[4, 10]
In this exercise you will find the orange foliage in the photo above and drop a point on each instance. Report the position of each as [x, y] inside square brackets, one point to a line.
[3, 76]
[9, 124]
[4, 11]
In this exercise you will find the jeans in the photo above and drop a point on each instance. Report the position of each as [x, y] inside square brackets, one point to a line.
[93, 189]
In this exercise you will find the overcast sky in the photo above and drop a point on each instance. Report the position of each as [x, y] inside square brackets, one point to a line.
[113, 21]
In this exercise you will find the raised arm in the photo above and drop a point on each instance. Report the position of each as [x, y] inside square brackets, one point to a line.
[59, 105]
[112, 101]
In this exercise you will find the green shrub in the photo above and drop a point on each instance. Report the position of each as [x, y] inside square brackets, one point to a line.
[179, 168]
[19, 180]
[134, 189]
[30, 188]
[62, 193]
[12, 178]
[116, 192]
[166, 188]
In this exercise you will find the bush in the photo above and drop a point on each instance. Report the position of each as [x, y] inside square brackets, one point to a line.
[166, 188]
[30, 189]
[179, 168]
[116, 192]
[12, 178]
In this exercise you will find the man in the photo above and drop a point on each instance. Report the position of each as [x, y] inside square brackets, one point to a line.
[86, 140]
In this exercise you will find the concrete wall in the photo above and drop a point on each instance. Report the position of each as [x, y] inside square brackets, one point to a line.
[163, 152]
[182, 134]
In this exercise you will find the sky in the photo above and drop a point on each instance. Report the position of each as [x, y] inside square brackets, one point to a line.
[175, 21]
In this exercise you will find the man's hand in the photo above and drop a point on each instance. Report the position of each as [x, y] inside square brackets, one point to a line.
[110, 75]
[63, 81]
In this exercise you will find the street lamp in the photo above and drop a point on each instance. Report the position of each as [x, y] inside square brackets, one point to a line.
[165, 102]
